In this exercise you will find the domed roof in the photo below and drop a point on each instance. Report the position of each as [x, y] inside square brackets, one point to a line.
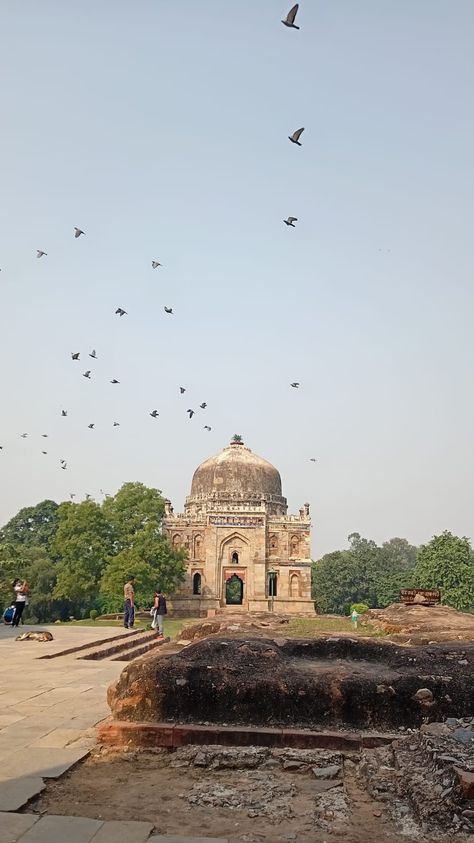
[236, 469]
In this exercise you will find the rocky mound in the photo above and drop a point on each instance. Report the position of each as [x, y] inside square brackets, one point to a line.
[422, 624]
[312, 683]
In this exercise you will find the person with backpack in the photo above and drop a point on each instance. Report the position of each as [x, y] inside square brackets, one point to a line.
[160, 610]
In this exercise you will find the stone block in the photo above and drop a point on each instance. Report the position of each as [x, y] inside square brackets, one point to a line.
[466, 783]
[36, 761]
[115, 831]
[53, 829]
[12, 826]
[14, 793]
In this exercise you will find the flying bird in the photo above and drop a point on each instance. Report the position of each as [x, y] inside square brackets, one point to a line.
[75, 355]
[182, 390]
[290, 18]
[156, 264]
[203, 405]
[312, 459]
[114, 380]
[23, 435]
[121, 311]
[63, 462]
[44, 435]
[87, 374]
[291, 221]
[295, 137]
[64, 412]
[78, 232]
[44, 452]
[93, 354]
[168, 309]
[154, 414]
[116, 424]
[206, 427]
[295, 385]
[190, 413]
[39, 253]
[91, 426]
[64, 467]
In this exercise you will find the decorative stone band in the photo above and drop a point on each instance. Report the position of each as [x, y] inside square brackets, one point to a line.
[236, 521]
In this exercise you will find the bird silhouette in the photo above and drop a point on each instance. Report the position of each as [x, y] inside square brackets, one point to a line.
[291, 221]
[206, 427]
[64, 467]
[168, 309]
[154, 414]
[44, 452]
[93, 354]
[116, 424]
[87, 374]
[63, 462]
[78, 232]
[64, 412]
[182, 390]
[75, 355]
[190, 413]
[91, 426]
[290, 18]
[295, 385]
[72, 495]
[312, 459]
[114, 380]
[23, 435]
[121, 311]
[44, 435]
[295, 137]
[39, 253]
[203, 405]
[156, 264]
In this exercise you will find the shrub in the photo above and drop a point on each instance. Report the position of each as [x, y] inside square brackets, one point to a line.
[93, 614]
[360, 608]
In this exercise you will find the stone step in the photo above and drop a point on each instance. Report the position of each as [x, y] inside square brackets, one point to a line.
[132, 640]
[80, 647]
[141, 650]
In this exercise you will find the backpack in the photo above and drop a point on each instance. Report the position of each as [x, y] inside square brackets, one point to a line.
[8, 614]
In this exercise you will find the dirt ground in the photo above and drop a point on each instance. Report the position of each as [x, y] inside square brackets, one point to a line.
[259, 804]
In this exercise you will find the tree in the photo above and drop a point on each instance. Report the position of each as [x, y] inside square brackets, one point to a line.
[83, 543]
[33, 526]
[134, 508]
[334, 582]
[398, 560]
[447, 562]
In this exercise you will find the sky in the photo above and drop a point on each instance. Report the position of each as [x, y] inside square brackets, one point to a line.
[161, 129]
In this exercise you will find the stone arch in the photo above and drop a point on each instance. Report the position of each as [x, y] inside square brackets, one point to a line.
[295, 546]
[235, 543]
[234, 591]
[198, 546]
[273, 544]
[197, 583]
[176, 540]
[294, 585]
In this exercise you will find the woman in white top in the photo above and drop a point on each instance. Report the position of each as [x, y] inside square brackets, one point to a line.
[20, 588]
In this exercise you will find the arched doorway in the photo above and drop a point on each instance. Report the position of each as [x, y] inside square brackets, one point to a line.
[294, 586]
[197, 583]
[235, 558]
[234, 591]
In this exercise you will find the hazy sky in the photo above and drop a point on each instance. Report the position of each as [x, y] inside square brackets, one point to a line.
[160, 128]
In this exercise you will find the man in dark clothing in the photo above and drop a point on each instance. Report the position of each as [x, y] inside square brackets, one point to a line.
[160, 610]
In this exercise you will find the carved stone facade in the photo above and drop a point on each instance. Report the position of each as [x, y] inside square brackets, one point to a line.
[244, 550]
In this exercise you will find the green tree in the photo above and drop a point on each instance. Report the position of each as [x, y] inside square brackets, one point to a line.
[398, 560]
[334, 582]
[446, 562]
[33, 526]
[135, 507]
[83, 543]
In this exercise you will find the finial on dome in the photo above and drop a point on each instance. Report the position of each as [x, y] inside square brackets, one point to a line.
[236, 439]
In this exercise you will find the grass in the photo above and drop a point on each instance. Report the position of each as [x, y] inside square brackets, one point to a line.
[312, 627]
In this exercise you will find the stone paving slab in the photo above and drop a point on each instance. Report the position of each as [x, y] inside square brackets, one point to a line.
[12, 826]
[116, 831]
[15, 793]
[53, 829]
[58, 738]
[36, 761]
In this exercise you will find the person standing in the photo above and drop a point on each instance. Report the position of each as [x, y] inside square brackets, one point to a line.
[129, 603]
[160, 610]
[20, 588]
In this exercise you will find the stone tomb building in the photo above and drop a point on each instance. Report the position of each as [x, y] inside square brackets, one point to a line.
[244, 550]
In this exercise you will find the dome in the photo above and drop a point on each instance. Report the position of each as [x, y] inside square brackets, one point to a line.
[236, 470]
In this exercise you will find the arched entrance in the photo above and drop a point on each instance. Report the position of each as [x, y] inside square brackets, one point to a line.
[234, 591]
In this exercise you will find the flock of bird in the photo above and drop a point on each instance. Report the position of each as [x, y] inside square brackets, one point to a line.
[294, 138]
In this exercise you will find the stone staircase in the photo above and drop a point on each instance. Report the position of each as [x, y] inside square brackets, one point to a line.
[123, 647]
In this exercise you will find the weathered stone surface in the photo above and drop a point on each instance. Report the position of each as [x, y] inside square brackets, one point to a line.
[327, 772]
[466, 783]
[120, 831]
[14, 793]
[299, 683]
[12, 826]
[51, 828]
